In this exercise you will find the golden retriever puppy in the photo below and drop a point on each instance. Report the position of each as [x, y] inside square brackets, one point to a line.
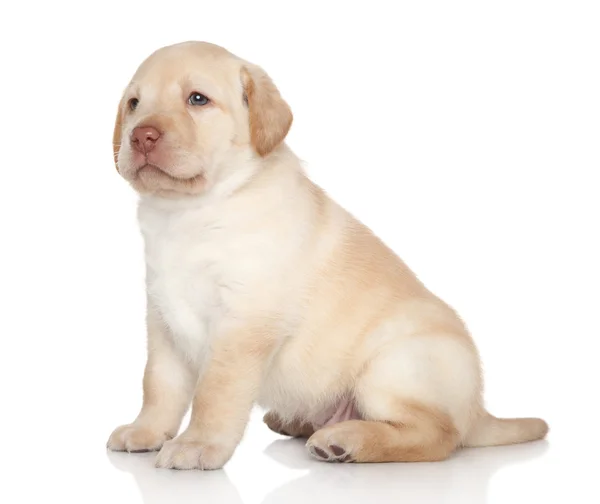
[262, 290]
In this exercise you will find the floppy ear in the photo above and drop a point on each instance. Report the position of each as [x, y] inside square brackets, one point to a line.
[270, 116]
[117, 136]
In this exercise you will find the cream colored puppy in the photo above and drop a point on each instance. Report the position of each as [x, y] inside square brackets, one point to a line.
[261, 289]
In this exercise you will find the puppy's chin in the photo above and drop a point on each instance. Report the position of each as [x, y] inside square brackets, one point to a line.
[150, 178]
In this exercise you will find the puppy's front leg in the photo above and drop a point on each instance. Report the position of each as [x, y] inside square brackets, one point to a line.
[223, 402]
[168, 388]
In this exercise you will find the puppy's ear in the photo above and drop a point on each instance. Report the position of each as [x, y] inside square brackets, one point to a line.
[117, 135]
[270, 115]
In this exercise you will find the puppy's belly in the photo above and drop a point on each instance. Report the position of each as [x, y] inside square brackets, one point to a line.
[320, 414]
[319, 393]
[344, 410]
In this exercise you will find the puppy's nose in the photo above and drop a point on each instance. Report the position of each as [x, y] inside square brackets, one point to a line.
[144, 138]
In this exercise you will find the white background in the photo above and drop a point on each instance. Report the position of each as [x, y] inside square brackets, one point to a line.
[465, 133]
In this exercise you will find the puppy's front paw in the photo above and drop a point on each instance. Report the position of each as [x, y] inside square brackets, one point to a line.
[183, 452]
[136, 439]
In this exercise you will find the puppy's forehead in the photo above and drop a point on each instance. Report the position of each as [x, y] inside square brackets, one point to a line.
[188, 64]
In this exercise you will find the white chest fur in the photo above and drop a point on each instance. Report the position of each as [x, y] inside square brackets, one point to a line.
[210, 267]
[186, 274]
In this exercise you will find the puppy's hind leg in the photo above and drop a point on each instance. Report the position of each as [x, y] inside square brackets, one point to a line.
[424, 436]
[296, 428]
[414, 399]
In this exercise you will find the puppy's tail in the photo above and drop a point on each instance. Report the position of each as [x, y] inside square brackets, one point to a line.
[491, 431]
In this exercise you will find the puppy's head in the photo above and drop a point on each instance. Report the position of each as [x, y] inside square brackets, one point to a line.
[191, 115]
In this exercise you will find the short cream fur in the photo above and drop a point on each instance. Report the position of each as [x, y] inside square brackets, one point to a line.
[262, 290]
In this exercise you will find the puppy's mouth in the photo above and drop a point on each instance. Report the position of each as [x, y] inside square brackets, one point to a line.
[152, 170]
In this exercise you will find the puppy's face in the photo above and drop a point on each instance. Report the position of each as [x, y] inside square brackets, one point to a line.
[191, 115]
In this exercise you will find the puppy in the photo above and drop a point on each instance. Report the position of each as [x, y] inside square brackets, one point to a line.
[262, 290]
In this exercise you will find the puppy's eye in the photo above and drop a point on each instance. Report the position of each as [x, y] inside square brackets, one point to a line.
[133, 103]
[197, 99]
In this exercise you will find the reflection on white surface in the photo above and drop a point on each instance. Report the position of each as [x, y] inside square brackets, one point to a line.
[464, 478]
[162, 486]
